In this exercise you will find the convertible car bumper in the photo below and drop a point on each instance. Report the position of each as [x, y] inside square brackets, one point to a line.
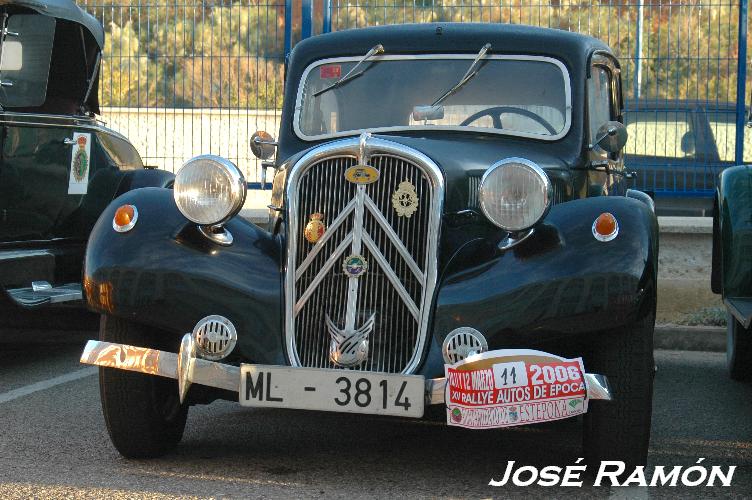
[189, 369]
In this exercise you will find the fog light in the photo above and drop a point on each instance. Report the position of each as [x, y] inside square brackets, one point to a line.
[125, 218]
[461, 343]
[215, 337]
[605, 227]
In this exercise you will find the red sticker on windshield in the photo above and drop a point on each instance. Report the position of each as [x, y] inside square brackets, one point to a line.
[331, 71]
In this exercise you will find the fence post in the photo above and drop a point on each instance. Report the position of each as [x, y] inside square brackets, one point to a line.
[307, 19]
[741, 81]
[638, 53]
[288, 29]
[327, 24]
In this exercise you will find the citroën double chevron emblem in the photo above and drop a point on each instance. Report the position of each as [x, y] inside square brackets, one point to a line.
[359, 256]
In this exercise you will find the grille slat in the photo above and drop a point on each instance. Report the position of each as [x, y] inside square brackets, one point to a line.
[396, 335]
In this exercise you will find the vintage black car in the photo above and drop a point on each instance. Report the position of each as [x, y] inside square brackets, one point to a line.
[443, 192]
[59, 166]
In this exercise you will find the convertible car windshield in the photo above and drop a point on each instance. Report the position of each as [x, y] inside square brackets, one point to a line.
[513, 95]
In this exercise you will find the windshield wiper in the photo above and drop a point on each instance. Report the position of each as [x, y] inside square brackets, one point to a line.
[351, 75]
[471, 72]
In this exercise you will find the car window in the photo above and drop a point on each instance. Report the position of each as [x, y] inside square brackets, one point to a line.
[724, 134]
[526, 96]
[25, 66]
[599, 99]
[666, 134]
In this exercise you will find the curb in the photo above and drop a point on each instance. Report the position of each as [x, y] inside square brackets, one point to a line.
[690, 338]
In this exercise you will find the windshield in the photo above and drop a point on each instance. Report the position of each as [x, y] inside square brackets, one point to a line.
[514, 95]
[25, 60]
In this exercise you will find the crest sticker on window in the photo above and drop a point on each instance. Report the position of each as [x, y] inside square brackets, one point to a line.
[330, 71]
[78, 180]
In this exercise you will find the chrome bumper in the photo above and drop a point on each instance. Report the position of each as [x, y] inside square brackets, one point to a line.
[189, 369]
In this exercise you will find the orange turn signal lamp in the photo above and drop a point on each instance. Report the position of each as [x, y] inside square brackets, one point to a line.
[125, 218]
[605, 227]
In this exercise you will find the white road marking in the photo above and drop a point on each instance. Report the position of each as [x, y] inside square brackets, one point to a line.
[46, 384]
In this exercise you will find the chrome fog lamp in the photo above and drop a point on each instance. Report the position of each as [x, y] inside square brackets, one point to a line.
[209, 190]
[515, 194]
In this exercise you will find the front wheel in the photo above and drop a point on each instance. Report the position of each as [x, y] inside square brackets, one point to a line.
[620, 429]
[738, 349]
[143, 413]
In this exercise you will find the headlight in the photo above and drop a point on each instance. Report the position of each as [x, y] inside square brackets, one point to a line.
[209, 190]
[515, 193]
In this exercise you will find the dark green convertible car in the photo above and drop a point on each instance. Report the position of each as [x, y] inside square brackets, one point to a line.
[59, 166]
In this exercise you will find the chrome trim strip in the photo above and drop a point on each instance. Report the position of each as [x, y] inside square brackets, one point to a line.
[376, 213]
[227, 377]
[551, 60]
[336, 254]
[160, 363]
[350, 147]
[390, 274]
[79, 122]
[327, 235]
[186, 363]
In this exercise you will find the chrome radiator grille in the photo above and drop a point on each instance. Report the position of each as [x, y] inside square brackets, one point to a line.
[396, 289]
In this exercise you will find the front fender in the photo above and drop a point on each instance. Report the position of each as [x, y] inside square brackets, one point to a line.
[559, 284]
[163, 273]
[732, 245]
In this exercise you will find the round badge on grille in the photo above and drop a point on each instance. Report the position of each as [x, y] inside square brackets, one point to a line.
[461, 343]
[215, 337]
[355, 266]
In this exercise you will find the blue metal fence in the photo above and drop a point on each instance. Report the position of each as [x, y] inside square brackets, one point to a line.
[684, 69]
[199, 76]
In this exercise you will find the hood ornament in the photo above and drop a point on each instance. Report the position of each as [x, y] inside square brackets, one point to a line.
[349, 348]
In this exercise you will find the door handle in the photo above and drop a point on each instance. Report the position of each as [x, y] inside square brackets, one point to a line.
[69, 142]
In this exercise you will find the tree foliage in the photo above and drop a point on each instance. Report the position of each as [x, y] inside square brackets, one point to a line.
[230, 53]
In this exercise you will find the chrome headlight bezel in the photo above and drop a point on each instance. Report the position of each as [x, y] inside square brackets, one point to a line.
[538, 173]
[235, 184]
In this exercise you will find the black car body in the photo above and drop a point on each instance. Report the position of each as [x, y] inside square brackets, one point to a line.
[59, 166]
[411, 203]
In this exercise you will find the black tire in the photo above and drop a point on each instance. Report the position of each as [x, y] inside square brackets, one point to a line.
[143, 413]
[620, 429]
[738, 349]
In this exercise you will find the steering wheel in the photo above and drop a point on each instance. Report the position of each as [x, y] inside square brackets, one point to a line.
[496, 112]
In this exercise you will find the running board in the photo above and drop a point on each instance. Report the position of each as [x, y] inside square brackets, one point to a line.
[42, 293]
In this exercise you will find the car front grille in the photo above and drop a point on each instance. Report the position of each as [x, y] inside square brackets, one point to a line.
[396, 290]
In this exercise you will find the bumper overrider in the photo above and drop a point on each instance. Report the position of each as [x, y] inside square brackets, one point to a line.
[188, 368]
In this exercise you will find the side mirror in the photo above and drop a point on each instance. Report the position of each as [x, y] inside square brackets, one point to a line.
[612, 136]
[263, 145]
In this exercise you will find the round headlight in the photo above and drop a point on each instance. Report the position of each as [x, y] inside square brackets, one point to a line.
[209, 190]
[515, 193]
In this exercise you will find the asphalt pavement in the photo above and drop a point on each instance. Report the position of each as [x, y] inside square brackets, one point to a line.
[53, 441]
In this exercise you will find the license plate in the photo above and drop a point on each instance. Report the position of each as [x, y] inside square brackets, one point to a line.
[332, 390]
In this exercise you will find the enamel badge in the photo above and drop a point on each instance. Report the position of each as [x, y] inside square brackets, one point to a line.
[362, 174]
[355, 266]
[405, 199]
[78, 180]
[315, 228]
